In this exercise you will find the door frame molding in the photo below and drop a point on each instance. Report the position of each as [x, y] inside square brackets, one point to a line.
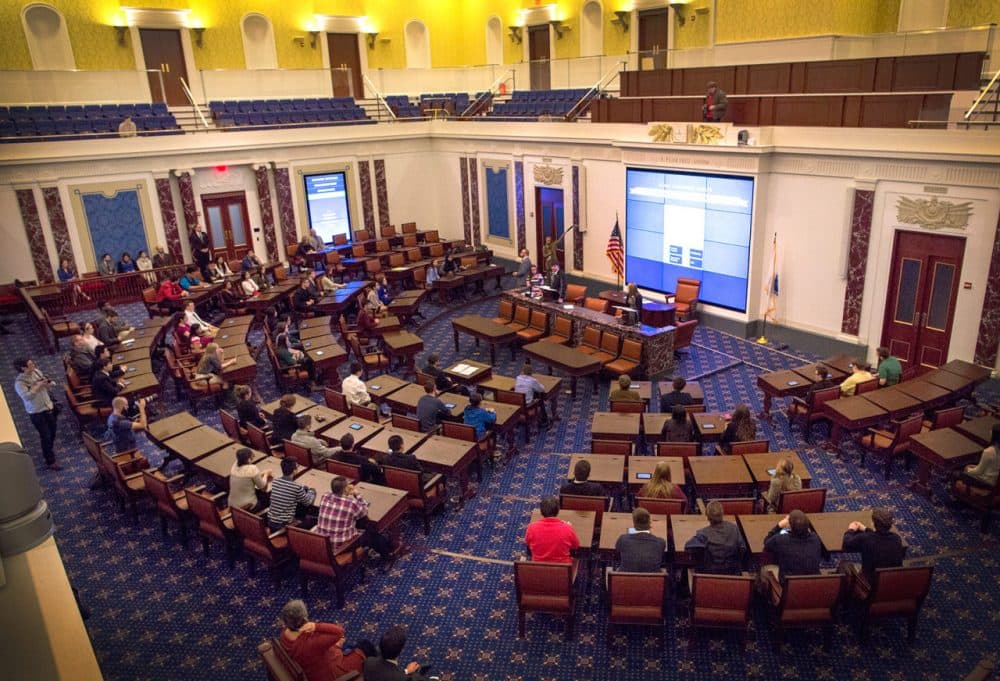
[175, 19]
[233, 193]
[329, 23]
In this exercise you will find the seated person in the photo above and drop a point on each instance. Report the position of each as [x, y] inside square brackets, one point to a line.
[121, 429]
[367, 323]
[441, 380]
[795, 547]
[326, 283]
[313, 284]
[386, 667]
[433, 272]
[859, 374]
[678, 396]
[397, 458]
[624, 392]
[783, 480]
[372, 303]
[660, 485]
[430, 409]
[169, 289]
[477, 416]
[303, 299]
[341, 511]
[289, 499]
[126, 264]
[741, 428]
[639, 549]
[192, 317]
[449, 266]
[532, 389]
[303, 436]
[984, 474]
[190, 280]
[382, 289]
[305, 248]
[822, 378]
[581, 485]
[677, 428]
[881, 548]
[193, 338]
[890, 371]
[289, 356]
[721, 544]
[317, 647]
[104, 386]
[283, 420]
[370, 469]
[248, 287]
[211, 365]
[354, 389]
[250, 262]
[112, 330]
[81, 357]
[106, 267]
[549, 539]
[245, 480]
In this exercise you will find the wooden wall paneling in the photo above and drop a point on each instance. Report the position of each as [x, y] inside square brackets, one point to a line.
[693, 81]
[851, 116]
[935, 107]
[968, 70]
[744, 110]
[888, 111]
[924, 72]
[765, 110]
[846, 75]
[883, 74]
[647, 110]
[797, 78]
[739, 85]
[809, 110]
[628, 79]
[654, 83]
[768, 79]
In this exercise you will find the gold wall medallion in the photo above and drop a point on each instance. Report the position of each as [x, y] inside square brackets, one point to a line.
[933, 213]
[705, 134]
[662, 132]
[550, 175]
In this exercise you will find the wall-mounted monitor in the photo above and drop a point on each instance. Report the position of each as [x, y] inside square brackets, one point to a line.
[327, 205]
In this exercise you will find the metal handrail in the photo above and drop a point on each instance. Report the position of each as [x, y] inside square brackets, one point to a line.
[509, 74]
[379, 97]
[982, 94]
[190, 98]
[596, 89]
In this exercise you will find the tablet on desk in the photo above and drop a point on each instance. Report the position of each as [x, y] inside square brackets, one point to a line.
[708, 426]
[308, 344]
[771, 471]
[225, 336]
[319, 353]
[643, 476]
[375, 387]
[131, 369]
[449, 405]
[127, 382]
[356, 426]
[793, 383]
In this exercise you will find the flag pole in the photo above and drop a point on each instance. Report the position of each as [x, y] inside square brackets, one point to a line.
[770, 289]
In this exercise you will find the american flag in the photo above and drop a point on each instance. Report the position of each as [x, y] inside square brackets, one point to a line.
[614, 250]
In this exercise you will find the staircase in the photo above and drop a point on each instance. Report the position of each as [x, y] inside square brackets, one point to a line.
[189, 120]
[987, 110]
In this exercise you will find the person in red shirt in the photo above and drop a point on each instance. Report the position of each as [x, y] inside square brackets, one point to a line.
[169, 290]
[550, 539]
[317, 647]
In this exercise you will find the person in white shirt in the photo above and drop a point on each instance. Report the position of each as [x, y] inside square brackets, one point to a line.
[244, 481]
[318, 451]
[248, 285]
[192, 318]
[354, 388]
[127, 128]
[433, 273]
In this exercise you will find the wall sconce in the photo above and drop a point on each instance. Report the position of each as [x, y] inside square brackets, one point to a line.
[515, 34]
[313, 38]
[199, 32]
[371, 40]
[678, 7]
[121, 31]
[622, 19]
[559, 28]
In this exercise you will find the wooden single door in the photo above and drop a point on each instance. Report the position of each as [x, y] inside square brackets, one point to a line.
[549, 224]
[538, 54]
[161, 48]
[653, 39]
[923, 287]
[228, 224]
[345, 65]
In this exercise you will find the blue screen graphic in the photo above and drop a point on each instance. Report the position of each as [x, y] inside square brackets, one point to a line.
[689, 225]
[326, 200]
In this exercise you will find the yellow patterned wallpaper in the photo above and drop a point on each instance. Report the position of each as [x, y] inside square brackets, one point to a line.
[746, 20]
[696, 29]
[973, 12]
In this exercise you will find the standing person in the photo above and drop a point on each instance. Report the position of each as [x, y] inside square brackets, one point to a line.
[245, 479]
[741, 428]
[720, 543]
[639, 549]
[783, 480]
[341, 510]
[716, 103]
[33, 388]
[317, 647]
[859, 374]
[430, 408]
[557, 281]
[633, 299]
[201, 247]
[889, 368]
[879, 548]
[121, 429]
[524, 269]
[549, 539]
[551, 248]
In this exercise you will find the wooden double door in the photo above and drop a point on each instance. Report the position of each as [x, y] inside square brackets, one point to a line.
[539, 56]
[164, 53]
[923, 288]
[345, 65]
[549, 224]
[228, 224]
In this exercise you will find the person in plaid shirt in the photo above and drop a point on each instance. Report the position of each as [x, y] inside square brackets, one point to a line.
[340, 511]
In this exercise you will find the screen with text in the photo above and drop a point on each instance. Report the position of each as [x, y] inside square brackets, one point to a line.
[326, 200]
[689, 225]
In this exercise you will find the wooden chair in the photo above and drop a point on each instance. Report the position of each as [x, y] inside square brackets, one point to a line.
[580, 502]
[945, 418]
[505, 315]
[628, 406]
[259, 543]
[897, 592]
[733, 506]
[259, 439]
[171, 505]
[891, 444]
[810, 500]
[348, 470]
[590, 342]
[811, 412]
[60, 326]
[684, 334]
[982, 499]
[867, 386]
[597, 305]
[232, 426]
[339, 239]
[336, 400]
[334, 266]
[213, 522]
[749, 447]
[319, 556]
[682, 449]
[370, 361]
[527, 414]
[485, 445]
[288, 379]
[84, 411]
[536, 328]
[405, 422]
[124, 470]
[373, 267]
[720, 602]
[609, 348]
[423, 498]
[153, 307]
[667, 507]
[545, 587]
[694, 409]
[685, 298]
[382, 245]
[414, 254]
[301, 454]
[365, 413]
[637, 598]
[805, 601]
[575, 293]
[619, 447]
[562, 331]
[522, 317]
[630, 359]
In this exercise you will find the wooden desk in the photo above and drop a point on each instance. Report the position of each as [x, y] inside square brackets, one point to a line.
[243, 371]
[220, 462]
[272, 464]
[315, 331]
[404, 401]
[403, 346]
[653, 313]
[244, 321]
[954, 383]
[942, 448]
[608, 425]
[323, 322]
[781, 384]
[228, 339]
[323, 416]
[384, 385]
[486, 330]
[761, 465]
[301, 404]
[196, 443]
[130, 356]
[326, 359]
[142, 385]
[852, 413]
[932, 396]
[318, 480]
[721, 476]
[607, 469]
[968, 370]
[831, 526]
[894, 401]
[582, 523]
[569, 360]
[386, 506]
[450, 457]
[692, 388]
[979, 429]
[171, 426]
[755, 529]
[647, 464]
[323, 340]
[708, 427]
[359, 428]
[614, 525]
[139, 368]
[552, 385]
[468, 372]
[378, 444]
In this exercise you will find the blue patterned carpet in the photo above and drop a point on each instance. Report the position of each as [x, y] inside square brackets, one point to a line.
[162, 612]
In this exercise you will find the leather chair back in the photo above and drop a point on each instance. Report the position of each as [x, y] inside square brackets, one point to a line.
[410, 240]
[414, 255]
[409, 228]
[597, 304]
[867, 386]
[563, 326]
[582, 502]
[362, 235]
[749, 447]
[301, 454]
[313, 550]
[631, 350]
[276, 663]
[637, 597]
[159, 490]
[591, 337]
[348, 470]
[610, 342]
[335, 400]
[506, 311]
[522, 315]
[618, 447]
[207, 513]
[899, 591]
[734, 506]
[406, 480]
[255, 533]
[382, 246]
[809, 599]
[684, 334]
[230, 425]
[628, 406]
[547, 587]
[946, 418]
[721, 600]
[366, 413]
[682, 449]
[667, 507]
[459, 431]
[811, 500]
[258, 438]
[405, 422]
[539, 320]
[575, 293]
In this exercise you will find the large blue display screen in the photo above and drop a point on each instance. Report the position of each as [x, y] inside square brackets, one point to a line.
[689, 225]
[326, 200]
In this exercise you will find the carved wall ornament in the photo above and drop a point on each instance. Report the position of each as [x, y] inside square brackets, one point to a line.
[933, 213]
[704, 134]
[662, 132]
[548, 175]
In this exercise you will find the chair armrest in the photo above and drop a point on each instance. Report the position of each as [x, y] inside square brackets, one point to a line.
[196, 488]
[799, 400]
[883, 433]
[280, 532]
[701, 505]
[176, 478]
[436, 480]
[217, 496]
[131, 476]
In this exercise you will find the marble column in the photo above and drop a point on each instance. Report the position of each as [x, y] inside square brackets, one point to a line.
[463, 164]
[861, 227]
[188, 207]
[476, 227]
[60, 231]
[519, 206]
[365, 179]
[266, 211]
[168, 211]
[381, 193]
[577, 235]
[988, 340]
[36, 238]
[286, 212]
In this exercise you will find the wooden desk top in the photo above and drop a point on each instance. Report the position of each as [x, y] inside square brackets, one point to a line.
[446, 452]
[893, 400]
[709, 425]
[317, 480]
[505, 412]
[831, 526]
[471, 372]
[314, 332]
[322, 322]
[568, 358]
[219, 463]
[301, 404]
[382, 500]
[317, 342]
[683, 527]
[582, 523]
[244, 360]
[138, 368]
[614, 525]
[228, 339]
[760, 465]
[719, 470]
[386, 384]
[786, 380]
[407, 396]
[379, 442]
[142, 343]
[327, 353]
[197, 442]
[947, 380]
[486, 328]
[922, 390]
[613, 423]
[500, 382]
[323, 416]
[979, 429]
[604, 468]
[841, 363]
[644, 388]
[692, 388]
[359, 428]
[647, 464]
[171, 426]
[403, 340]
[946, 444]
[809, 371]
[134, 384]
[458, 403]
[855, 408]
[755, 529]
[130, 356]
[273, 465]
[967, 370]
[652, 425]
